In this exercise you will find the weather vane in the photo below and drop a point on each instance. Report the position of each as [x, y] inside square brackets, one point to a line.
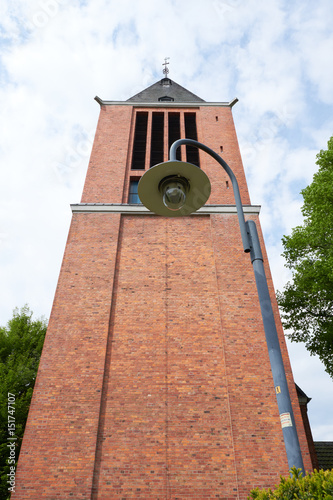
[165, 69]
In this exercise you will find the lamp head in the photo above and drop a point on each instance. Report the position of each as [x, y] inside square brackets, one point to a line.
[174, 188]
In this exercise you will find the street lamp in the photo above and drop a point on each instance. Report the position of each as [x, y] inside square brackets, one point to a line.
[175, 188]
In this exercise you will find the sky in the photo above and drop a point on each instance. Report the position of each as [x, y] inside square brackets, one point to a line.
[57, 55]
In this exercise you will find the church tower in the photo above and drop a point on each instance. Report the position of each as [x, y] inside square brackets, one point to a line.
[155, 380]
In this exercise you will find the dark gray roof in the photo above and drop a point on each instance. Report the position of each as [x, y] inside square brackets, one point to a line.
[302, 397]
[165, 90]
[324, 450]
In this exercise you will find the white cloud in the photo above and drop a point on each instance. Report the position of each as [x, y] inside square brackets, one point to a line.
[314, 40]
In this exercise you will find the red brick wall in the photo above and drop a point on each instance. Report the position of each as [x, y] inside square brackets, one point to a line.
[109, 157]
[214, 134]
[155, 381]
[308, 432]
[166, 431]
[189, 409]
[58, 450]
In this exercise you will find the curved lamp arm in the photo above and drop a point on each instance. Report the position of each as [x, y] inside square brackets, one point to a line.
[239, 206]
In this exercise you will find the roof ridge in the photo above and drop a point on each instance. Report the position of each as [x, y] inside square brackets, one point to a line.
[165, 90]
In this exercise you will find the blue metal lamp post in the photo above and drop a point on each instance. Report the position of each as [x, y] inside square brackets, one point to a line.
[176, 188]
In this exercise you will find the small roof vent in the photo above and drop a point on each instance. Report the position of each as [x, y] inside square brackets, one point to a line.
[166, 82]
[166, 98]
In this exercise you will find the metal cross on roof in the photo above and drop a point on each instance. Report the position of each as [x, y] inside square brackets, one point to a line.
[165, 69]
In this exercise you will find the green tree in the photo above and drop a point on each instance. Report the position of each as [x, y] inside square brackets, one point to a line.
[317, 485]
[21, 344]
[306, 301]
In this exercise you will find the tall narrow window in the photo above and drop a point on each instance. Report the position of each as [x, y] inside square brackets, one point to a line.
[133, 196]
[174, 131]
[192, 153]
[140, 140]
[157, 139]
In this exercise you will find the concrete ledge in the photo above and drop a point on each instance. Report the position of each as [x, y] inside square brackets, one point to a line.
[166, 104]
[125, 208]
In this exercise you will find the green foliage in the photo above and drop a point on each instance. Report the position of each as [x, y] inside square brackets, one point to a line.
[307, 301]
[21, 344]
[315, 486]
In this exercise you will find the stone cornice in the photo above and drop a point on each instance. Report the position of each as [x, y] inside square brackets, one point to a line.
[135, 209]
[165, 104]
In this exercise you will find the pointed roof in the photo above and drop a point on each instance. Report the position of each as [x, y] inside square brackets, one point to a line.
[165, 90]
[302, 397]
[324, 450]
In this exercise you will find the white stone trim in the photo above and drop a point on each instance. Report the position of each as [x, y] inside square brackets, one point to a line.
[134, 209]
[166, 104]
